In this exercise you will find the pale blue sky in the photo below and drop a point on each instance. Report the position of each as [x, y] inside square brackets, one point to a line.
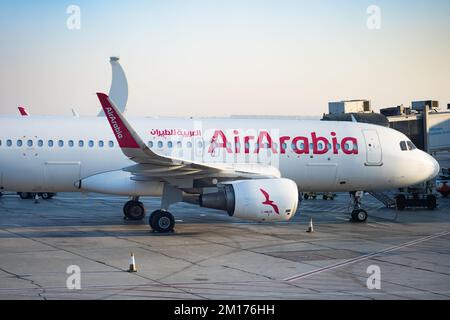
[223, 57]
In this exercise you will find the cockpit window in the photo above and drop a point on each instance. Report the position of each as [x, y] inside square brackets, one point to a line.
[403, 146]
[411, 145]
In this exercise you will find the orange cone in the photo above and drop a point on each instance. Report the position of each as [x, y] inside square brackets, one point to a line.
[310, 227]
[132, 264]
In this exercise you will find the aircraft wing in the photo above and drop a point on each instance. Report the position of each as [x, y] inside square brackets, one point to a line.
[152, 165]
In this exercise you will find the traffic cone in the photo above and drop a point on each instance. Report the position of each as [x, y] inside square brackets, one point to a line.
[36, 198]
[132, 264]
[310, 227]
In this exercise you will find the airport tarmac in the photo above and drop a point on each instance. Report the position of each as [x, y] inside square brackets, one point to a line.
[213, 256]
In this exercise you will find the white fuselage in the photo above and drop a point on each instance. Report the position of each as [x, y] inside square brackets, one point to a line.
[52, 153]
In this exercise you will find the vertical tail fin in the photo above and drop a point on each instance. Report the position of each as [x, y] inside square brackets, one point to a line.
[23, 111]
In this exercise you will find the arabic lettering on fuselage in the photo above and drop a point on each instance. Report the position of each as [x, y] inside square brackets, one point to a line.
[176, 132]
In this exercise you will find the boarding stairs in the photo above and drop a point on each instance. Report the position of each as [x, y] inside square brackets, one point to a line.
[384, 198]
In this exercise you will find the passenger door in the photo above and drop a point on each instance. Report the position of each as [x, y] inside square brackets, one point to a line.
[373, 148]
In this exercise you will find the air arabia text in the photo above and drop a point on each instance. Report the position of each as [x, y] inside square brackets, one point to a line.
[114, 123]
[313, 143]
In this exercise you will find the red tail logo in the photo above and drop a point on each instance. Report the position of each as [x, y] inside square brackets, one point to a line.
[23, 111]
[269, 202]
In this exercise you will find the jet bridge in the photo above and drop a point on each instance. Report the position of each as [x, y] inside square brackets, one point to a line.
[423, 123]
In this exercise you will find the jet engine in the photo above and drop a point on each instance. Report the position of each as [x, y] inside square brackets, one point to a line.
[257, 200]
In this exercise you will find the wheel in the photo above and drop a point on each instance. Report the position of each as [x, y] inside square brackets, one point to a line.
[359, 215]
[162, 221]
[47, 195]
[306, 197]
[400, 201]
[25, 195]
[431, 202]
[134, 210]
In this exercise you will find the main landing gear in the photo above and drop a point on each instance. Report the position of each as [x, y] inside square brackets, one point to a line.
[162, 220]
[134, 210]
[357, 214]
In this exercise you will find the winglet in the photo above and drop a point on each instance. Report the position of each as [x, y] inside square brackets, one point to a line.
[23, 111]
[118, 123]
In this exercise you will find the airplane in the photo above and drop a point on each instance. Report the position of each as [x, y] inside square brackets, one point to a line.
[23, 111]
[253, 169]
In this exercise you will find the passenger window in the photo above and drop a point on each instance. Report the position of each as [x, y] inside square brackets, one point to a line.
[179, 144]
[19, 143]
[9, 143]
[189, 144]
[321, 145]
[111, 144]
[61, 143]
[50, 143]
[101, 144]
[200, 144]
[411, 145]
[30, 143]
[160, 144]
[91, 143]
[71, 144]
[40, 143]
[403, 146]
[81, 143]
[169, 144]
[150, 144]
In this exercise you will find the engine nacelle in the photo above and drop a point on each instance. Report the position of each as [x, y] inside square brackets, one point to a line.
[258, 200]
[120, 183]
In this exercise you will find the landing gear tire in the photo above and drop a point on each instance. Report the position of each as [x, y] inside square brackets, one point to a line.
[359, 215]
[431, 202]
[400, 202]
[25, 195]
[47, 195]
[162, 221]
[134, 210]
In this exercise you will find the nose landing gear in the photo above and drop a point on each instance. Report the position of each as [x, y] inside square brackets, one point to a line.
[357, 214]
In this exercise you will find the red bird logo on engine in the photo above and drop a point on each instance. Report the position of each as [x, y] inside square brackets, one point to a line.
[268, 201]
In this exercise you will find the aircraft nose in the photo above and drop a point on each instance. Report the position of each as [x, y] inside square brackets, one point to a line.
[431, 167]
